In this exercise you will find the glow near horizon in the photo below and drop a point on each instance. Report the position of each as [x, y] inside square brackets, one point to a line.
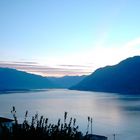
[66, 40]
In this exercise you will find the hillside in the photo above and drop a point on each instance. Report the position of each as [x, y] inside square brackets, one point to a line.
[66, 81]
[11, 79]
[121, 78]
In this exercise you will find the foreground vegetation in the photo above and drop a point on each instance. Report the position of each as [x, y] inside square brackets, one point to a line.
[39, 128]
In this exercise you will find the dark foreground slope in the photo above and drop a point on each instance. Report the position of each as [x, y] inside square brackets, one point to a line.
[121, 78]
[11, 79]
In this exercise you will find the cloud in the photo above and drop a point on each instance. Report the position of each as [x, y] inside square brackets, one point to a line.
[18, 62]
[133, 43]
[44, 70]
[82, 66]
[103, 54]
[82, 63]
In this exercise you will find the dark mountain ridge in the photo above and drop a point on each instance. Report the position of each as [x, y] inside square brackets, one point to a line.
[121, 78]
[66, 81]
[12, 79]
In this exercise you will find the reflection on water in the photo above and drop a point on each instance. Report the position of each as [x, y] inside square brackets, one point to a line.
[111, 113]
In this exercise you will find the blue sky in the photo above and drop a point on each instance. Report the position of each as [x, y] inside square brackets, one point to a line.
[67, 37]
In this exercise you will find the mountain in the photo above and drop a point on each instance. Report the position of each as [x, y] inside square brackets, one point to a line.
[66, 81]
[12, 79]
[121, 78]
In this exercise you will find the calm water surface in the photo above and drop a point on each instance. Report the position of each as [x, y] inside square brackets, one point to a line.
[111, 113]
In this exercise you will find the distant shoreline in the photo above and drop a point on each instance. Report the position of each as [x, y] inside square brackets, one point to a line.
[9, 91]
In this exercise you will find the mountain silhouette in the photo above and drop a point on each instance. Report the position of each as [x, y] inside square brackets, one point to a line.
[66, 81]
[12, 79]
[121, 78]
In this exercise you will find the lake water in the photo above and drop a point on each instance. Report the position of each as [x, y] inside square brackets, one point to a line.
[111, 113]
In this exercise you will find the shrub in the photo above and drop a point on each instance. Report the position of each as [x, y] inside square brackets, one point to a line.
[41, 129]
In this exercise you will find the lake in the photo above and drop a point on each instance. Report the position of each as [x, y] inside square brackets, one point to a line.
[111, 113]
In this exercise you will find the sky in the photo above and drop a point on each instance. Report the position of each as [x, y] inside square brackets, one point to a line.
[67, 37]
